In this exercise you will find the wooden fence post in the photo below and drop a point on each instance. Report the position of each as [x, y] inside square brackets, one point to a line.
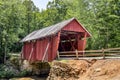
[83, 53]
[58, 55]
[77, 57]
[103, 52]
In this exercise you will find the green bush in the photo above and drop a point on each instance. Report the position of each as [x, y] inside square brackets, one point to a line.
[9, 72]
[23, 73]
[6, 74]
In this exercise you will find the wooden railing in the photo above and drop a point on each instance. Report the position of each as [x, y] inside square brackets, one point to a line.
[90, 53]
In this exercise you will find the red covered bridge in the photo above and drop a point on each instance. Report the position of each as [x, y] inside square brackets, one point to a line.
[43, 44]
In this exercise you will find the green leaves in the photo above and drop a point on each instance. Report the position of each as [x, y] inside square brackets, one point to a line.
[12, 15]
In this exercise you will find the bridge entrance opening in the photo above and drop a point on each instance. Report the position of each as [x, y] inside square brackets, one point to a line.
[70, 41]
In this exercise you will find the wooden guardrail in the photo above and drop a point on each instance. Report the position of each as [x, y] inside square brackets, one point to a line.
[90, 53]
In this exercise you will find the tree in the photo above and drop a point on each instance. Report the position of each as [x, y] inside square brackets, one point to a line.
[107, 22]
[31, 10]
[9, 24]
[12, 24]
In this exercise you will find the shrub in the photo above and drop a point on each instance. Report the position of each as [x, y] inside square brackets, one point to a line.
[9, 71]
[4, 73]
[23, 73]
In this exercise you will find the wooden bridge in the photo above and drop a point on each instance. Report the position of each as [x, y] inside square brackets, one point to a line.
[90, 54]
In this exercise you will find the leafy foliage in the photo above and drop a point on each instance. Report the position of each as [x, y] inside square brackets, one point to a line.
[10, 70]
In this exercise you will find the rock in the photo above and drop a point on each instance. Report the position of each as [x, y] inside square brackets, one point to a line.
[108, 69]
[37, 68]
[67, 71]
[98, 70]
[26, 66]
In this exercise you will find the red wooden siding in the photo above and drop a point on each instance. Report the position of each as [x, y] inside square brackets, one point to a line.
[39, 48]
[27, 49]
[80, 45]
[54, 47]
[74, 26]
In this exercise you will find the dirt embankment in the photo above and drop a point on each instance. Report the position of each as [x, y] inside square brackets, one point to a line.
[108, 69]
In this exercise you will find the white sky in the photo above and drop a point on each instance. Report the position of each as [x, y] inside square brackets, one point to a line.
[41, 4]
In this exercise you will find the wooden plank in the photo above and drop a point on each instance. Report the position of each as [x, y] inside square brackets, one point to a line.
[77, 57]
[72, 47]
[81, 55]
[45, 52]
[84, 43]
[67, 55]
[82, 51]
[73, 44]
[58, 55]
[85, 55]
[30, 54]
[67, 52]
[112, 53]
[112, 49]
[91, 53]
[103, 53]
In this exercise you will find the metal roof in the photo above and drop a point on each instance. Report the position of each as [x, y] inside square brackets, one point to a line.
[47, 31]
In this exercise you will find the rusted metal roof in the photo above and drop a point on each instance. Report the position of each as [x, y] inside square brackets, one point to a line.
[47, 31]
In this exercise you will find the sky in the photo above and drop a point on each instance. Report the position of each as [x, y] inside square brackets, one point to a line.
[41, 4]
